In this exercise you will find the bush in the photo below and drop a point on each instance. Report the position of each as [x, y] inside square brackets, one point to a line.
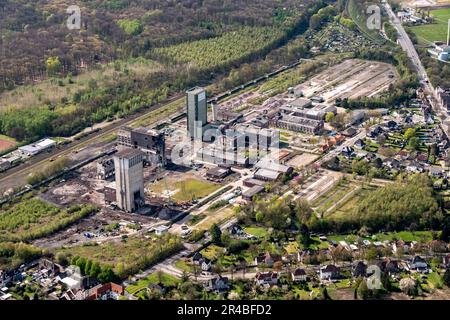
[236, 246]
[130, 27]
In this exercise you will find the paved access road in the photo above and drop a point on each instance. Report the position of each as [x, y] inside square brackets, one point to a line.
[407, 45]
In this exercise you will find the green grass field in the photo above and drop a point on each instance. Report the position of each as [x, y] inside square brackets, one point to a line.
[154, 278]
[436, 31]
[212, 252]
[6, 138]
[183, 190]
[347, 206]
[257, 232]
[407, 236]
[183, 264]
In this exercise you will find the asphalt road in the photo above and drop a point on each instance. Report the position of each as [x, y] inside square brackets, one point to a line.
[408, 46]
[16, 177]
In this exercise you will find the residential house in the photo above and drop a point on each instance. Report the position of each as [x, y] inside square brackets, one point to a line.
[350, 132]
[236, 230]
[158, 287]
[389, 266]
[370, 156]
[414, 167]
[5, 278]
[218, 173]
[366, 242]
[74, 294]
[298, 275]
[329, 272]
[422, 157]
[49, 267]
[400, 247]
[408, 119]
[264, 175]
[107, 291]
[392, 163]
[360, 144]
[6, 296]
[205, 264]
[344, 245]
[403, 155]
[266, 278]
[418, 264]
[288, 258]
[196, 258]
[218, 284]
[446, 261]
[375, 132]
[348, 152]
[437, 172]
[359, 269]
[267, 259]
[392, 125]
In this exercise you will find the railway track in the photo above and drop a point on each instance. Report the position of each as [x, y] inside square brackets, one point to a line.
[16, 177]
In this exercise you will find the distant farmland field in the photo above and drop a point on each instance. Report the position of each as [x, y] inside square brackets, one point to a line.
[436, 31]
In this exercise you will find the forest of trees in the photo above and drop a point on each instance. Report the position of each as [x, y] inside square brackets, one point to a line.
[32, 31]
[409, 205]
[128, 95]
[280, 213]
[13, 255]
[403, 205]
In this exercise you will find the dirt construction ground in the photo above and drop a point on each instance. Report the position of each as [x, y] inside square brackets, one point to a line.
[350, 79]
[5, 145]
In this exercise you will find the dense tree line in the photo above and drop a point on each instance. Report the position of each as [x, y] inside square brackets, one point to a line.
[405, 205]
[399, 206]
[280, 213]
[323, 16]
[93, 269]
[13, 255]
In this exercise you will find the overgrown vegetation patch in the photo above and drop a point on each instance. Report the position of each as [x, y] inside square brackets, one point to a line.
[33, 218]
